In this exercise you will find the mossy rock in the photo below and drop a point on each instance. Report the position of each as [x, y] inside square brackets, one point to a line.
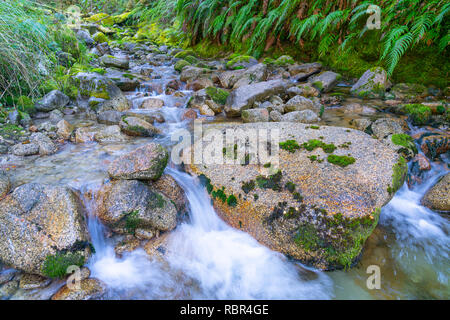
[185, 53]
[100, 37]
[102, 18]
[284, 61]
[218, 95]
[180, 65]
[318, 212]
[25, 104]
[419, 114]
[241, 62]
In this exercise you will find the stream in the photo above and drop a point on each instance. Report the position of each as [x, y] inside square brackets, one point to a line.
[207, 259]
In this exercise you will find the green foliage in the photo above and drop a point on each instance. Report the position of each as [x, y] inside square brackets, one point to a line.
[328, 25]
[271, 182]
[249, 186]
[231, 201]
[55, 266]
[398, 177]
[314, 144]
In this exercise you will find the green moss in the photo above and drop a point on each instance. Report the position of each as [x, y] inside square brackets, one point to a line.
[206, 182]
[249, 186]
[398, 177]
[220, 193]
[404, 140]
[342, 161]
[271, 182]
[191, 59]
[290, 146]
[307, 238]
[100, 95]
[232, 201]
[314, 127]
[218, 95]
[418, 113]
[132, 221]
[290, 186]
[236, 62]
[318, 85]
[25, 104]
[55, 266]
[180, 65]
[184, 54]
[440, 109]
[284, 61]
[100, 37]
[313, 144]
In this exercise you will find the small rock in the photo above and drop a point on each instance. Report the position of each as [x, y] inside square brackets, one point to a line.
[255, 115]
[109, 117]
[46, 145]
[65, 129]
[133, 126]
[117, 62]
[152, 103]
[300, 103]
[5, 184]
[372, 84]
[325, 81]
[423, 162]
[189, 114]
[28, 149]
[305, 116]
[33, 281]
[276, 116]
[56, 116]
[90, 289]
[437, 198]
[385, 127]
[435, 145]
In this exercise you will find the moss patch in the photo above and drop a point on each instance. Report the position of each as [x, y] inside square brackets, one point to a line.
[398, 177]
[55, 266]
[218, 95]
[342, 161]
[418, 113]
[290, 146]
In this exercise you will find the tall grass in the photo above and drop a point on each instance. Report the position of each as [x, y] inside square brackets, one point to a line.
[331, 25]
[25, 58]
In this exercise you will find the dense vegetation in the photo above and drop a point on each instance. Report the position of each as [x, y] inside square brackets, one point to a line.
[412, 43]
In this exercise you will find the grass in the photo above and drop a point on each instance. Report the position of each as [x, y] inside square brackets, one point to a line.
[55, 266]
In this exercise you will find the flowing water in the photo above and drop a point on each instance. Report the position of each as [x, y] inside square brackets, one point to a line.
[204, 258]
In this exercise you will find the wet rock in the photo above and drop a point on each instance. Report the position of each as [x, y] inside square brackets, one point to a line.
[51, 101]
[356, 108]
[199, 84]
[331, 209]
[361, 124]
[25, 120]
[56, 116]
[46, 145]
[214, 106]
[305, 90]
[205, 110]
[189, 114]
[8, 289]
[110, 117]
[385, 127]
[7, 275]
[190, 73]
[174, 84]
[435, 145]
[103, 48]
[304, 71]
[244, 97]
[85, 36]
[305, 116]
[84, 135]
[227, 79]
[275, 116]
[129, 244]
[325, 81]
[437, 198]
[255, 115]
[300, 103]
[180, 65]
[409, 92]
[423, 162]
[127, 83]
[116, 62]
[38, 221]
[241, 62]
[110, 134]
[133, 126]
[254, 74]
[126, 205]
[25, 149]
[3, 149]
[33, 281]
[171, 189]
[5, 184]
[144, 163]
[98, 86]
[372, 84]
[14, 117]
[152, 103]
[143, 234]
[90, 289]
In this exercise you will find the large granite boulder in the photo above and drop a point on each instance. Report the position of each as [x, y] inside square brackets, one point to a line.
[245, 96]
[38, 222]
[144, 163]
[127, 205]
[319, 203]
